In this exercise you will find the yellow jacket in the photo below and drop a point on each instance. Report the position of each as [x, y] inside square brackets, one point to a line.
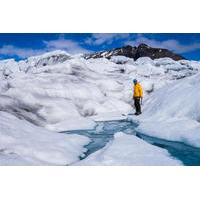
[137, 90]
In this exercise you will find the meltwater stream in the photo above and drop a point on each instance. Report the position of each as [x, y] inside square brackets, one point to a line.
[104, 132]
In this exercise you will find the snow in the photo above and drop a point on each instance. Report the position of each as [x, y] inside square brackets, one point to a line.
[69, 87]
[48, 58]
[120, 59]
[23, 143]
[129, 150]
[72, 124]
[175, 129]
[48, 95]
[111, 116]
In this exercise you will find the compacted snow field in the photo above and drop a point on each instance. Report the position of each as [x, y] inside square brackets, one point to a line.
[55, 92]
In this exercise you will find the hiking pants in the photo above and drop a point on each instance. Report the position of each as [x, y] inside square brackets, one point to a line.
[137, 104]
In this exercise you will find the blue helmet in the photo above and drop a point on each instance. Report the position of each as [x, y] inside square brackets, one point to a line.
[134, 80]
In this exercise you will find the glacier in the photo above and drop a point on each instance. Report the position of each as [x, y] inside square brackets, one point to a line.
[57, 91]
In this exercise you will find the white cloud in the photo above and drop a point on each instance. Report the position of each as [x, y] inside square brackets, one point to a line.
[20, 52]
[70, 46]
[74, 47]
[173, 45]
[105, 38]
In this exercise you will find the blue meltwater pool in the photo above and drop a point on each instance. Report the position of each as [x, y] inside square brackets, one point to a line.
[104, 131]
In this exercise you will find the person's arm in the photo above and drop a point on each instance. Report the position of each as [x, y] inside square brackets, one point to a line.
[141, 92]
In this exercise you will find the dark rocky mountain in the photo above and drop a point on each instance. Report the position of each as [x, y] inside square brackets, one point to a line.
[142, 50]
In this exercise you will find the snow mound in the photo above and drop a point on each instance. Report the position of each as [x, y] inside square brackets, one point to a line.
[22, 143]
[48, 58]
[120, 59]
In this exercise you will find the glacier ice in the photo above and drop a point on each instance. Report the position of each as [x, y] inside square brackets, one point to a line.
[58, 92]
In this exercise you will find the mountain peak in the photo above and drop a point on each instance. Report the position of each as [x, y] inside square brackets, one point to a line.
[49, 58]
[142, 50]
[143, 45]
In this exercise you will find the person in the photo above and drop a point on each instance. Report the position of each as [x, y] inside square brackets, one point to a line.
[137, 96]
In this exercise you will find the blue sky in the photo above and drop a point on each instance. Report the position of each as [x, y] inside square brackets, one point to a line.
[21, 46]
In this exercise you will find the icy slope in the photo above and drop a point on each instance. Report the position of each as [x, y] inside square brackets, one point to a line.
[22, 143]
[173, 112]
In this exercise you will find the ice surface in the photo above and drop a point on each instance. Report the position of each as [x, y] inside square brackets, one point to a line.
[22, 143]
[120, 59]
[73, 124]
[109, 116]
[50, 89]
